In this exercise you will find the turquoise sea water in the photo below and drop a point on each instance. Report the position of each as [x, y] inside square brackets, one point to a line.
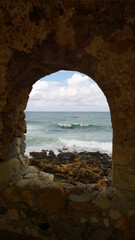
[79, 131]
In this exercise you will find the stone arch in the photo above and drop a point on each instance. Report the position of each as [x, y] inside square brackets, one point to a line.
[94, 38]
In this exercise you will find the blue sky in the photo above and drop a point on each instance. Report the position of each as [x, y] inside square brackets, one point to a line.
[61, 76]
[66, 91]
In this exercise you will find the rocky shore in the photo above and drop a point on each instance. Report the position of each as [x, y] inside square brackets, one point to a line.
[73, 167]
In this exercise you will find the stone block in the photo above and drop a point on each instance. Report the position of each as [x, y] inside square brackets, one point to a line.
[18, 141]
[23, 183]
[122, 224]
[52, 201]
[18, 149]
[11, 194]
[81, 197]
[69, 218]
[114, 214]
[30, 175]
[22, 159]
[94, 220]
[124, 177]
[27, 197]
[83, 219]
[11, 214]
[106, 222]
[122, 155]
[82, 207]
[38, 185]
[102, 201]
[47, 177]
[8, 169]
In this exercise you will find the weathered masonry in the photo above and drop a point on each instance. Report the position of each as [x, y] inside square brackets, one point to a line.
[96, 38]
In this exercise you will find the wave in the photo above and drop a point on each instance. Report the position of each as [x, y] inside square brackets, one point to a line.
[71, 145]
[78, 125]
[78, 145]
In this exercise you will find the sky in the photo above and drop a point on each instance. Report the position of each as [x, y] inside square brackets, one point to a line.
[67, 91]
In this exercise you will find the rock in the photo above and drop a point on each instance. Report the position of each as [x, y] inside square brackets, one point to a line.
[131, 212]
[18, 149]
[106, 222]
[68, 218]
[23, 183]
[72, 167]
[22, 159]
[18, 141]
[11, 214]
[82, 207]
[27, 197]
[11, 194]
[94, 220]
[30, 175]
[51, 153]
[53, 200]
[38, 185]
[122, 224]
[102, 201]
[82, 197]
[47, 177]
[119, 193]
[84, 220]
[114, 214]
[69, 189]
[9, 169]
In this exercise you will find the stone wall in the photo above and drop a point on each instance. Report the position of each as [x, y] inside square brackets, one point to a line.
[41, 37]
[95, 38]
[34, 205]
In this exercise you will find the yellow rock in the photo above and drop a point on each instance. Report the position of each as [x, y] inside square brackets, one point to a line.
[102, 201]
[114, 214]
[106, 222]
[84, 219]
[11, 194]
[27, 197]
[94, 220]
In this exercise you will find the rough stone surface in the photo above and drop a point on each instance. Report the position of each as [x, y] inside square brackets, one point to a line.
[18, 141]
[27, 197]
[84, 207]
[8, 169]
[53, 200]
[80, 197]
[114, 214]
[96, 38]
[102, 201]
[12, 214]
[11, 194]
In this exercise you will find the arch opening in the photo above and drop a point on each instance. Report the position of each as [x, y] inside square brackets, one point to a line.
[68, 118]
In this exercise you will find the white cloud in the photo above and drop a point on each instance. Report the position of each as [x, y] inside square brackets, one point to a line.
[80, 94]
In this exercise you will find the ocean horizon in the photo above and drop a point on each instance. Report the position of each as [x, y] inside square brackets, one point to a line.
[71, 130]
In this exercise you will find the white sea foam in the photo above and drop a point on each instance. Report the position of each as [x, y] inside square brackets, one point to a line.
[74, 145]
[74, 125]
[78, 145]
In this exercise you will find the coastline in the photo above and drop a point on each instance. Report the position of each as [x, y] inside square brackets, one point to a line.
[74, 167]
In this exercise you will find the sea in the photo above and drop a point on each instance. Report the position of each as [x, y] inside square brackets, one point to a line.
[70, 131]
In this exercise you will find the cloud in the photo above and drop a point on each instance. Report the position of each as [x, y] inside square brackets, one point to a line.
[79, 94]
